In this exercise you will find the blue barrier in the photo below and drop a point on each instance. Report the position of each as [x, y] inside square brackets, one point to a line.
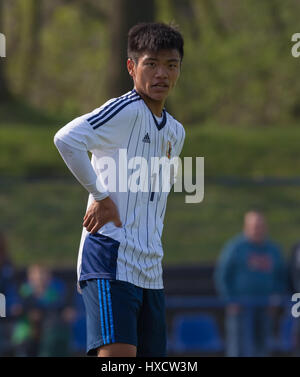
[186, 325]
[174, 302]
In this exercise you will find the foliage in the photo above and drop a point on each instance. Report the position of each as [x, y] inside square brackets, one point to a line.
[237, 69]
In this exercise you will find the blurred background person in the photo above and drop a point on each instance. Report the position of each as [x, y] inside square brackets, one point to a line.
[294, 287]
[43, 329]
[78, 326]
[9, 289]
[294, 268]
[250, 267]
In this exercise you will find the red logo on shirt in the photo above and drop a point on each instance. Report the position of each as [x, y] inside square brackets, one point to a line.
[260, 262]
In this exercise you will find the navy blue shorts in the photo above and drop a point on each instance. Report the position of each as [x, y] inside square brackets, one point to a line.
[120, 312]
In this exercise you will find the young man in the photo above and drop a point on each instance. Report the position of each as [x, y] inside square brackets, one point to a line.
[251, 267]
[119, 262]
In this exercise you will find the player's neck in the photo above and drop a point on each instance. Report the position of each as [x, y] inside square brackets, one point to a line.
[156, 107]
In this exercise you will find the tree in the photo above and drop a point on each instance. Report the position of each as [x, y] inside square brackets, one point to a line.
[32, 25]
[123, 15]
[4, 91]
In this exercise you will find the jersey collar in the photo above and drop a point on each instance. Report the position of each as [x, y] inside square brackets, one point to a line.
[160, 124]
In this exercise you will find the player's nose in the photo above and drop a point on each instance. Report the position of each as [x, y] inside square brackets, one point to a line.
[161, 72]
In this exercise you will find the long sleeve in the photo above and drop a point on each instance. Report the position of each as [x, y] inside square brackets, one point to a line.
[81, 135]
[224, 271]
[80, 165]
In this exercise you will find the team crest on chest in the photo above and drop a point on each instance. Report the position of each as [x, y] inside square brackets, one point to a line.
[169, 150]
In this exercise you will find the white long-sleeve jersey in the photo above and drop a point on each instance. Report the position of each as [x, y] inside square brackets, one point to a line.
[123, 126]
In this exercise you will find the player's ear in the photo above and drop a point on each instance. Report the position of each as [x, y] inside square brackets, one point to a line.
[131, 67]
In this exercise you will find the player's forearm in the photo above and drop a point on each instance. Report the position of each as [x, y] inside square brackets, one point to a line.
[80, 165]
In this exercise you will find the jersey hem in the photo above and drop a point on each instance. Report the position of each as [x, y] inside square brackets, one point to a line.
[146, 286]
[121, 278]
[97, 276]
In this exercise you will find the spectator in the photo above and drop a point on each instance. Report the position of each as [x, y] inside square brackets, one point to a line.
[294, 268]
[9, 289]
[78, 336]
[294, 286]
[44, 329]
[250, 267]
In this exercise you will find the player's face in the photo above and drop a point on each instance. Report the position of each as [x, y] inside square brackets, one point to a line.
[155, 74]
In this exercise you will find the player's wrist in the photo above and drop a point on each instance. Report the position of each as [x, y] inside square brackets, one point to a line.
[99, 197]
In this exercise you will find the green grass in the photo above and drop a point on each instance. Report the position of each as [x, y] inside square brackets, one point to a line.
[43, 220]
[245, 152]
[197, 232]
[18, 112]
[27, 150]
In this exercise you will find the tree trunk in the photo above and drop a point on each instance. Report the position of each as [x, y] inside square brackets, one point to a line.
[212, 12]
[32, 30]
[4, 91]
[124, 14]
[185, 10]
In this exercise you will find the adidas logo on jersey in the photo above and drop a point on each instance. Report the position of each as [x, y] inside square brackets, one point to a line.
[146, 138]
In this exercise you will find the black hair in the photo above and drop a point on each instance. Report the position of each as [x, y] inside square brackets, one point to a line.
[153, 36]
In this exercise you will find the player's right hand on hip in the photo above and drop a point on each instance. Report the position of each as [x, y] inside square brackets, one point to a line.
[100, 213]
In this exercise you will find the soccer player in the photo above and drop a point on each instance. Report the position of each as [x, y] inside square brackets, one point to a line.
[119, 263]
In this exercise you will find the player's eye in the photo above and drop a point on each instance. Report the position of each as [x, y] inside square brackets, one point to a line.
[150, 64]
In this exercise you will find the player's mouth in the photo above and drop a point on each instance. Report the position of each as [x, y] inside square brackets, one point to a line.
[160, 87]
